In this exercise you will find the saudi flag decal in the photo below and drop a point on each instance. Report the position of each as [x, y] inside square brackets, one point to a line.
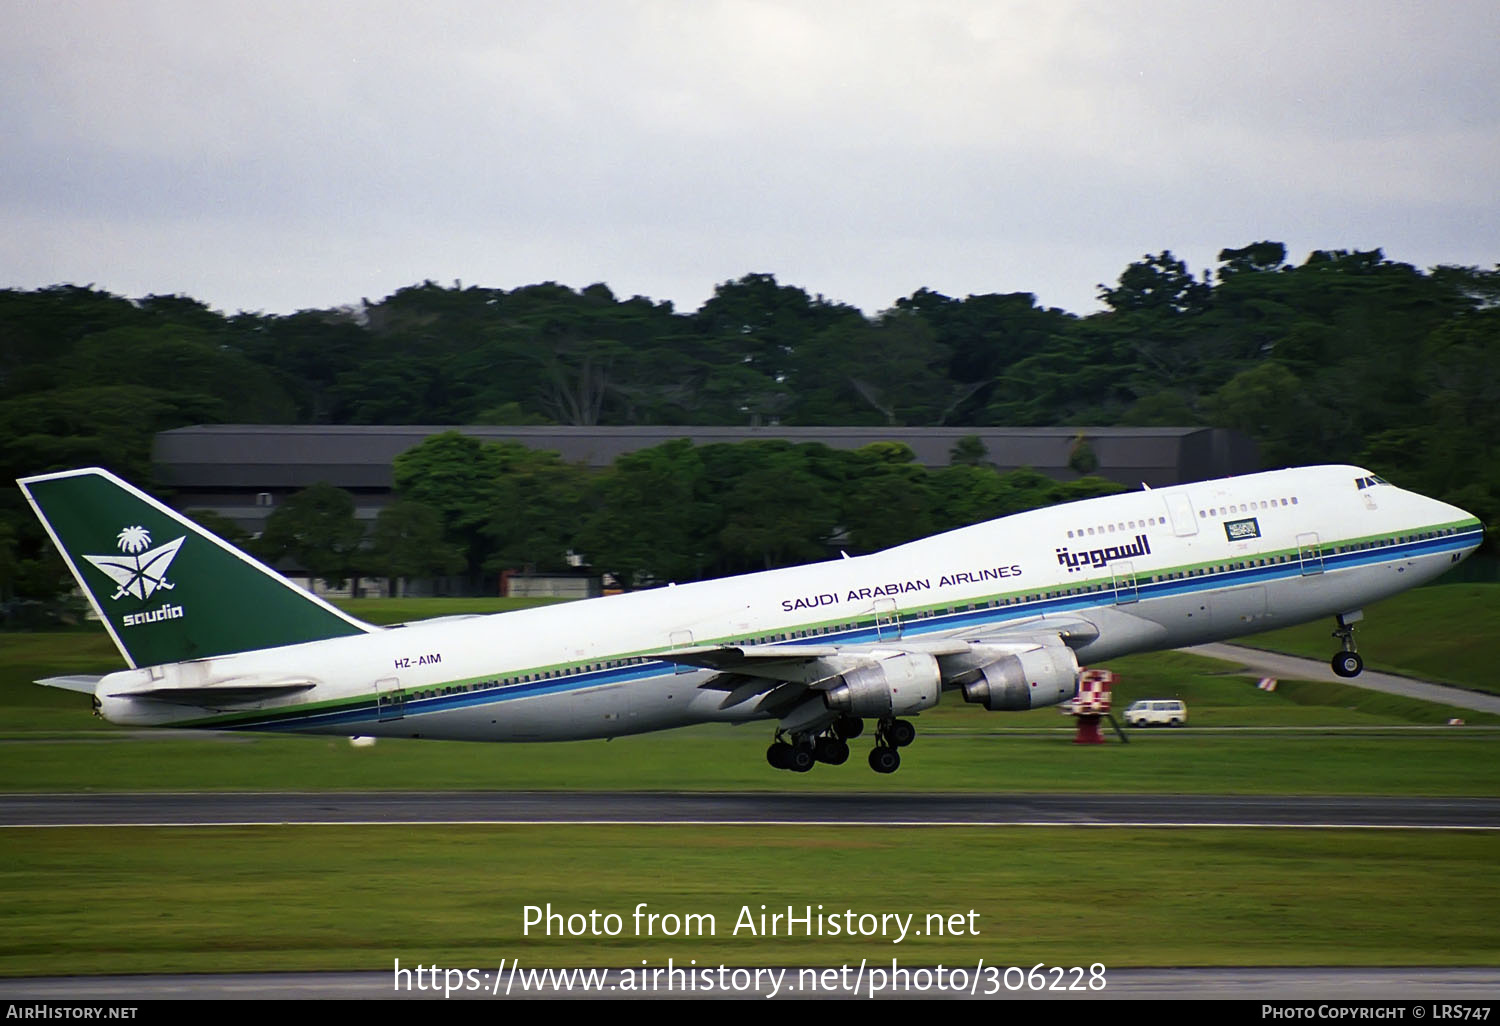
[139, 571]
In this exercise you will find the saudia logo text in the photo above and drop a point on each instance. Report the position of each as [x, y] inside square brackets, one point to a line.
[140, 572]
[1076, 561]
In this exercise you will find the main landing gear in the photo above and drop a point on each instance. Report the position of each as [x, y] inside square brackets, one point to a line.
[800, 753]
[889, 736]
[1348, 662]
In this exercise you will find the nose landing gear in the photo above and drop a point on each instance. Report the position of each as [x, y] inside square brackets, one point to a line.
[1348, 662]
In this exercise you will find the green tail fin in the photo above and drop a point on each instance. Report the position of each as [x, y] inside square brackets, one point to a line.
[166, 589]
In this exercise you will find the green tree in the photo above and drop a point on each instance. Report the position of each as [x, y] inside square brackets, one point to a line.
[316, 528]
[1256, 258]
[893, 371]
[964, 494]
[222, 526]
[407, 542]
[1081, 457]
[457, 476]
[538, 502]
[776, 509]
[968, 451]
[889, 500]
[1160, 284]
[110, 426]
[646, 523]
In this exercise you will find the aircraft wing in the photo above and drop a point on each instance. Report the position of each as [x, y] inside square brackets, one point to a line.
[1071, 630]
[749, 670]
[810, 665]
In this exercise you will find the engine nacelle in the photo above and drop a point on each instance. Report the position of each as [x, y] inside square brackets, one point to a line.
[1025, 680]
[904, 683]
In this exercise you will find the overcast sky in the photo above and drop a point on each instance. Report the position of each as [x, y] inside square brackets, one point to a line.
[266, 156]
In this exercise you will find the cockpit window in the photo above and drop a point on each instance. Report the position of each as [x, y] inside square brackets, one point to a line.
[1369, 482]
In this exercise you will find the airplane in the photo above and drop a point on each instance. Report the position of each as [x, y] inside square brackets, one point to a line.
[1007, 612]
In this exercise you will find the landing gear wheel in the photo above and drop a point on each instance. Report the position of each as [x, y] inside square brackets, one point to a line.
[884, 760]
[832, 750]
[900, 733]
[779, 755]
[801, 759]
[1348, 664]
[848, 727]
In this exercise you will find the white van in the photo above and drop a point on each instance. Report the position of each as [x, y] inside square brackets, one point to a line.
[1152, 711]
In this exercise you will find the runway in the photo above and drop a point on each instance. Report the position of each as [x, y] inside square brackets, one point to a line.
[900, 810]
[1275, 664]
[908, 809]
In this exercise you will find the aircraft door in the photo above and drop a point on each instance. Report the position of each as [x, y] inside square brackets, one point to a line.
[1310, 553]
[1124, 575]
[1180, 510]
[390, 700]
[887, 620]
[682, 639]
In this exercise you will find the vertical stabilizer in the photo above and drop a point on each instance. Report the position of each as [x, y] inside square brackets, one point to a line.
[166, 589]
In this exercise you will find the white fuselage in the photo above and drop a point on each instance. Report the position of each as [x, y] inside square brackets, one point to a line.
[1142, 571]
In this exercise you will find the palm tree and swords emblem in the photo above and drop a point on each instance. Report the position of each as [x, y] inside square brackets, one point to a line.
[140, 570]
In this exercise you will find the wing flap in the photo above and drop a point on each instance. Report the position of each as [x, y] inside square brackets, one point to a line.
[1074, 631]
[739, 657]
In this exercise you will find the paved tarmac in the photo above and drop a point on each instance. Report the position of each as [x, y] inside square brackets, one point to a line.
[1474, 986]
[872, 809]
[1274, 664]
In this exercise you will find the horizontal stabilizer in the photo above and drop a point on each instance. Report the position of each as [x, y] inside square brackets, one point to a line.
[78, 682]
[235, 691]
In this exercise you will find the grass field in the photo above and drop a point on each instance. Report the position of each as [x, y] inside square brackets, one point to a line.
[713, 758]
[292, 897]
[1445, 633]
[1330, 741]
[210, 899]
[49, 741]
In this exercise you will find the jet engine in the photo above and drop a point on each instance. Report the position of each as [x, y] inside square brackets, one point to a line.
[897, 685]
[1027, 679]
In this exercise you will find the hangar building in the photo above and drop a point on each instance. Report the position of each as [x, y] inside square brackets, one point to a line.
[244, 471]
